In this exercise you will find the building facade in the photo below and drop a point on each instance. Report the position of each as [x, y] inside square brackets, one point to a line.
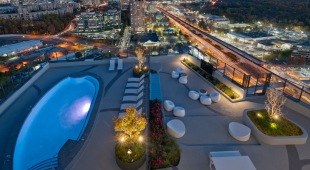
[112, 19]
[89, 22]
[137, 16]
[34, 12]
[91, 2]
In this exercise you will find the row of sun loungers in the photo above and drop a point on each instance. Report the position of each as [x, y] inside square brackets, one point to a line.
[133, 95]
[113, 63]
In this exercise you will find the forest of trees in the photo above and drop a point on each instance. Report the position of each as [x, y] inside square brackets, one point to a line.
[48, 24]
[294, 14]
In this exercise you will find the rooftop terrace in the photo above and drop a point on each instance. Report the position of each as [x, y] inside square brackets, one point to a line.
[206, 126]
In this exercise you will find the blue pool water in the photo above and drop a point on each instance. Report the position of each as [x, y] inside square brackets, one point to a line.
[61, 114]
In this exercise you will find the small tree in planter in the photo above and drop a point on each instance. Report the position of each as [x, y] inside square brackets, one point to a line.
[130, 146]
[140, 56]
[274, 103]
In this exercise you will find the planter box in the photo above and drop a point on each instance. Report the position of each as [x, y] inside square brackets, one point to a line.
[274, 140]
[212, 85]
[130, 166]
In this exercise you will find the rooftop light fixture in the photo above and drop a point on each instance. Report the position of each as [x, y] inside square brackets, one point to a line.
[273, 125]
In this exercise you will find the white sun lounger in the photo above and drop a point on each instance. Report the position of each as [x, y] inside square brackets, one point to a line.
[134, 91]
[119, 64]
[134, 105]
[136, 85]
[133, 98]
[112, 65]
[134, 79]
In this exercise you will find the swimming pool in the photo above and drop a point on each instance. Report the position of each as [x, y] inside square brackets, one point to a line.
[61, 114]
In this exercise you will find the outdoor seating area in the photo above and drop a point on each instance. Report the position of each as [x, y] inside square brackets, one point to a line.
[203, 96]
[179, 74]
[113, 64]
[133, 95]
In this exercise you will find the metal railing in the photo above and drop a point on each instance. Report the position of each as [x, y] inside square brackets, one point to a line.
[256, 83]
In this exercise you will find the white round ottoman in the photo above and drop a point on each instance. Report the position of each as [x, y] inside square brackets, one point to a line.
[176, 128]
[215, 96]
[203, 92]
[175, 74]
[179, 111]
[179, 69]
[239, 131]
[183, 80]
[193, 95]
[205, 100]
[168, 105]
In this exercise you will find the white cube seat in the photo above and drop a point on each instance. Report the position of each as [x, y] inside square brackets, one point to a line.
[179, 70]
[168, 105]
[215, 96]
[239, 131]
[178, 111]
[176, 128]
[205, 100]
[183, 80]
[193, 95]
[175, 74]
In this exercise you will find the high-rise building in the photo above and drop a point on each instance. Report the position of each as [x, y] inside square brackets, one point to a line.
[137, 16]
[91, 2]
[112, 19]
[89, 22]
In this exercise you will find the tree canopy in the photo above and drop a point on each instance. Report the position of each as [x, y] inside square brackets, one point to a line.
[282, 13]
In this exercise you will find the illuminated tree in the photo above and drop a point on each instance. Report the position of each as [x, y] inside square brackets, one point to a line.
[140, 56]
[274, 103]
[131, 124]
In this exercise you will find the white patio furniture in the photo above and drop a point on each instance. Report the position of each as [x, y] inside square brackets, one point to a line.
[119, 64]
[183, 80]
[239, 131]
[175, 74]
[176, 128]
[193, 95]
[112, 65]
[135, 85]
[178, 111]
[134, 79]
[133, 105]
[233, 163]
[134, 91]
[133, 98]
[179, 69]
[205, 100]
[215, 96]
[203, 92]
[222, 154]
[168, 105]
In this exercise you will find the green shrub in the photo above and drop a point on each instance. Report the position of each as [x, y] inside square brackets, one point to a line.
[278, 127]
[137, 151]
[227, 90]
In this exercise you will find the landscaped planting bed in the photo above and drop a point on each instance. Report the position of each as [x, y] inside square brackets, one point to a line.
[278, 127]
[163, 149]
[227, 90]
